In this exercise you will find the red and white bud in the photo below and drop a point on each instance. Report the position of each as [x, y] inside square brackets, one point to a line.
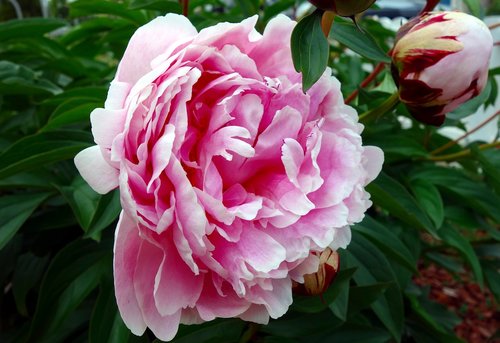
[439, 61]
[345, 8]
[317, 283]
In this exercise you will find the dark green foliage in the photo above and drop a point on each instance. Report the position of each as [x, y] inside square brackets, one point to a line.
[56, 233]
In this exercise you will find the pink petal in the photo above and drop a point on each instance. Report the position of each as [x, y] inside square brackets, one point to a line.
[117, 94]
[147, 266]
[257, 314]
[161, 153]
[260, 250]
[373, 158]
[126, 250]
[277, 301]
[176, 286]
[286, 124]
[242, 35]
[106, 125]
[341, 238]
[151, 40]
[292, 158]
[96, 171]
[211, 305]
[272, 54]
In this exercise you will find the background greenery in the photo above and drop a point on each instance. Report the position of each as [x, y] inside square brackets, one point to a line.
[56, 234]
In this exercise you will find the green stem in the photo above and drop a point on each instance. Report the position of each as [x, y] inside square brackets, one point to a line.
[387, 106]
[249, 334]
[452, 143]
[464, 153]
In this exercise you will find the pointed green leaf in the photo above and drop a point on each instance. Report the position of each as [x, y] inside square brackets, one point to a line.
[309, 49]
[430, 200]
[358, 41]
[42, 148]
[453, 238]
[391, 195]
[14, 211]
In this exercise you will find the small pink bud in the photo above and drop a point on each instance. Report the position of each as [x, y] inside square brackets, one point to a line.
[345, 8]
[439, 61]
[317, 283]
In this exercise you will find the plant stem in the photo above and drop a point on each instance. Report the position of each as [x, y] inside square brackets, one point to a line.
[185, 7]
[247, 336]
[378, 68]
[494, 26]
[463, 153]
[452, 143]
[429, 6]
[386, 106]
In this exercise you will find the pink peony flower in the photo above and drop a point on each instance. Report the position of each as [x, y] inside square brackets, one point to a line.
[231, 178]
[440, 60]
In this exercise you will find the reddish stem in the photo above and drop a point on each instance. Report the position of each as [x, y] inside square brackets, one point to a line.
[185, 7]
[494, 26]
[378, 68]
[452, 143]
[429, 6]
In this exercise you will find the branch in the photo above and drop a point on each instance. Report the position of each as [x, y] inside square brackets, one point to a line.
[379, 67]
[464, 153]
[452, 143]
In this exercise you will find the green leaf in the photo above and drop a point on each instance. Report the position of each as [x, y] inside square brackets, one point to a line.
[345, 32]
[165, 6]
[248, 7]
[387, 241]
[14, 211]
[449, 262]
[106, 325]
[389, 194]
[294, 324]
[40, 179]
[27, 274]
[361, 297]
[92, 94]
[309, 49]
[397, 147]
[433, 314]
[28, 27]
[275, 8]
[90, 7]
[492, 278]
[454, 239]
[490, 164]
[228, 330]
[19, 79]
[355, 332]
[75, 110]
[474, 7]
[93, 211]
[374, 268]
[429, 198]
[470, 192]
[314, 304]
[42, 148]
[74, 272]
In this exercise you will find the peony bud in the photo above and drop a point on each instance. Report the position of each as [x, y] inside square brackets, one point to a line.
[317, 283]
[345, 8]
[440, 60]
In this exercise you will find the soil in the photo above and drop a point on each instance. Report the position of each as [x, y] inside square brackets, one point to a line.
[477, 308]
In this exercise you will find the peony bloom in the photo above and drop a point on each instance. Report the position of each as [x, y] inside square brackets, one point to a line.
[231, 178]
[317, 283]
[440, 60]
[345, 8]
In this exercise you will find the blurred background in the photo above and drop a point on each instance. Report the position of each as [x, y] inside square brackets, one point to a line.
[387, 8]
